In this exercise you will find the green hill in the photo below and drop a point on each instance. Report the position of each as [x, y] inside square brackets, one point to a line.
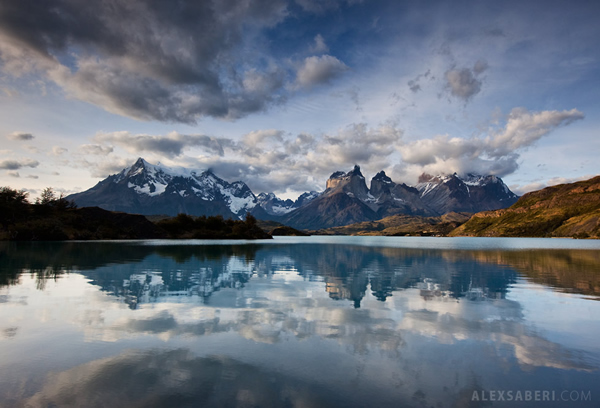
[566, 210]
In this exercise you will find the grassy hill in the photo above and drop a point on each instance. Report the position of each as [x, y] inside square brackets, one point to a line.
[400, 225]
[566, 210]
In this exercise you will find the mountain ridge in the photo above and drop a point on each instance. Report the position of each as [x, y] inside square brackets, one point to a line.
[151, 189]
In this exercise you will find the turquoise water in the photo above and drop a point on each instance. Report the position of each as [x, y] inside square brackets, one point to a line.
[301, 322]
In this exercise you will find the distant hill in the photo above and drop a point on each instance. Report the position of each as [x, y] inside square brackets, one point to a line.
[402, 225]
[566, 210]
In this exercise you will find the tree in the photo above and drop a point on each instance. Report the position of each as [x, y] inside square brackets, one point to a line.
[13, 205]
[250, 220]
[48, 197]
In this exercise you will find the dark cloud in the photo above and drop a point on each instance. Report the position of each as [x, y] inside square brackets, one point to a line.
[170, 145]
[480, 66]
[17, 164]
[317, 70]
[414, 84]
[20, 136]
[171, 61]
[463, 83]
[322, 6]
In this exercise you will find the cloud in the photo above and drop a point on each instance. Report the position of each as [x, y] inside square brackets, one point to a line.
[95, 149]
[414, 84]
[538, 185]
[171, 145]
[14, 174]
[17, 164]
[319, 47]
[58, 151]
[497, 153]
[464, 83]
[322, 6]
[147, 60]
[319, 70]
[524, 128]
[275, 160]
[20, 136]
[105, 167]
[261, 136]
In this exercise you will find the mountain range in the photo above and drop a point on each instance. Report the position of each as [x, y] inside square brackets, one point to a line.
[148, 189]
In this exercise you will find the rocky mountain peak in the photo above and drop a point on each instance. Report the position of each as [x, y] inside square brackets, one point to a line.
[352, 183]
[381, 184]
[381, 176]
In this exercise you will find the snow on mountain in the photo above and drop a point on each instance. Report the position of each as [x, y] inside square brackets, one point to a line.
[153, 180]
[146, 188]
[278, 207]
[470, 193]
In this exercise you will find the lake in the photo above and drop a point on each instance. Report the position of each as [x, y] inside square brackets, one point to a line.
[301, 322]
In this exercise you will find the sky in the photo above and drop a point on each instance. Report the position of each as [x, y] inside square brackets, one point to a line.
[282, 93]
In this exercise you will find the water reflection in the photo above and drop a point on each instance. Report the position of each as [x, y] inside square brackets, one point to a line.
[175, 378]
[141, 273]
[293, 325]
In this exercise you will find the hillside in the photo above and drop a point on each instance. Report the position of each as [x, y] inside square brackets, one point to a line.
[566, 210]
[401, 225]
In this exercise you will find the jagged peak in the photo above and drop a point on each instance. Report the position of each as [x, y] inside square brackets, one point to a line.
[355, 171]
[381, 176]
[340, 174]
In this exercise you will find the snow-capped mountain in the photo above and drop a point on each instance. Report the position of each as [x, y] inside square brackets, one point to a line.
[145, 188]
[471, 193]
[277, 207]
[347, 199]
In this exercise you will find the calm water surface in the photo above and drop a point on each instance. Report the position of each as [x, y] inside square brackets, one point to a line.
[301, 322]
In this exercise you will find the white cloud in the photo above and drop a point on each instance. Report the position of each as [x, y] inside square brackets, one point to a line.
[524, 128]
[260, 136]
[497, 153]
[58, 151]
[279, 161]
[95, 149]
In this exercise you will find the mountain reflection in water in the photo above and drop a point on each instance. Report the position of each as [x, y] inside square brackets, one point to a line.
[142, 273]
[290, 325]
